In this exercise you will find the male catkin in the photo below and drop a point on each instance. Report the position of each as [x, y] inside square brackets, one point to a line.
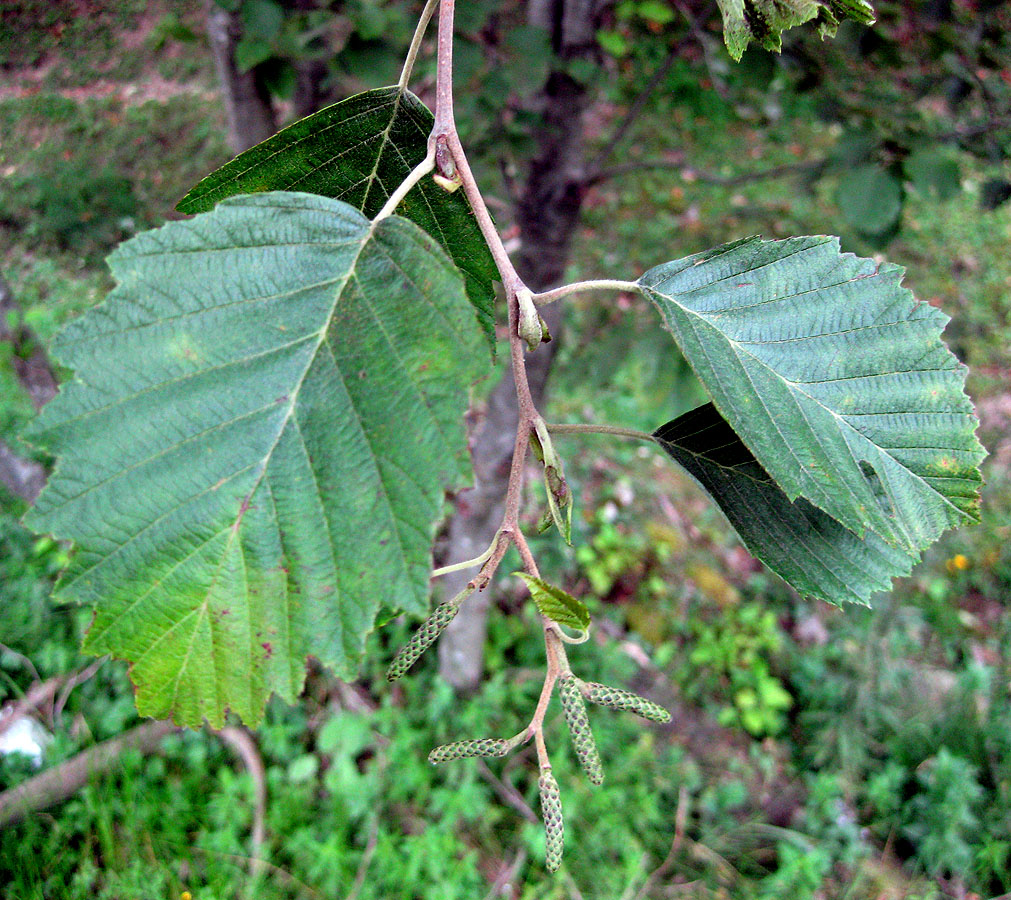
[616, 698]
[579, 728]
[554, 826]
[422, 639]
[462, 749]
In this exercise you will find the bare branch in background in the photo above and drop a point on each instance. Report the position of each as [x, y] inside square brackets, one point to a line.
[242, 743]
[63, 781]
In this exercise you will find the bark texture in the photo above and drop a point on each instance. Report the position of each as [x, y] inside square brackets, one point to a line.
[248, 109]
[547, 213]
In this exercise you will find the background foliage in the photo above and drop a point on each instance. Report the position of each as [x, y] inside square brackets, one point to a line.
[814, 752]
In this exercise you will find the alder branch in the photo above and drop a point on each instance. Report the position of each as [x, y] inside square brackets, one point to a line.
[63, 781]
[451, 163]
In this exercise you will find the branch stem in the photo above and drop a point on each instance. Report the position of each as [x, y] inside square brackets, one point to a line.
[577, 287]
[451, 162]
[444, 121]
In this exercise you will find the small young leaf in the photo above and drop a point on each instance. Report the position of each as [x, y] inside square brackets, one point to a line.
[559, 500]
[556, 488]
[556, 604]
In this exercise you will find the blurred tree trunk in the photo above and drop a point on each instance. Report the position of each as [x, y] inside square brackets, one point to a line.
[547, 213]
[22, 476]
[248, 108]
[311, 93]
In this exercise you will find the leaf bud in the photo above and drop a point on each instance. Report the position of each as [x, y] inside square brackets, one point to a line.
[529, 324]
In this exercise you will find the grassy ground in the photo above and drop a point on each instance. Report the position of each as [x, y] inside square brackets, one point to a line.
[815, 753]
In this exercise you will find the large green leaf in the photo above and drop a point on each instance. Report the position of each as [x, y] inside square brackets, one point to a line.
[359, 151]
[806, 548]
[253, 452]
[834, 377]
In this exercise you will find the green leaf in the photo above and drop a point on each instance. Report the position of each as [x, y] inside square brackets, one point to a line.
[359, 151]
[262, 18]
[613, 42]
[254, 449]
[808, 549]
[933, 173]
[556, 604]
[835, 378]
[656, 11]
[764, 21]
[251, 51]
[870, 199]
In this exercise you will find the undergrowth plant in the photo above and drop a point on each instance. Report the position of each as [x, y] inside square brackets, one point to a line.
[267, 412]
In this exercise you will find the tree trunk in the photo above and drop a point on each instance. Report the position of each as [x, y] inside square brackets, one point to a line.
[22, 476]
[548, 213]
[248, 108]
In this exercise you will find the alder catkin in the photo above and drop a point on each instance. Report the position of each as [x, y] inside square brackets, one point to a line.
[422, 639]
[579, 728]
[554, 826]
[489, 747]
[616, 698]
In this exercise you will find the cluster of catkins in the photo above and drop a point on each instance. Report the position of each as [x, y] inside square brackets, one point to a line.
[572, 692]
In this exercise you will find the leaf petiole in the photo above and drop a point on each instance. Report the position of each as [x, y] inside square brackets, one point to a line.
[468, 563]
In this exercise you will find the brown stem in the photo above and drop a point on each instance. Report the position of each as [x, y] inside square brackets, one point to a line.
[445, 137]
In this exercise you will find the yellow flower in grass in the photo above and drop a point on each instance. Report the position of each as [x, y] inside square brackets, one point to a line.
[958, 563]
